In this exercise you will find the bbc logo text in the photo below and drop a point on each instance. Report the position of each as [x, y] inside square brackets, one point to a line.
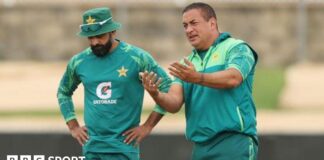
[43, 157]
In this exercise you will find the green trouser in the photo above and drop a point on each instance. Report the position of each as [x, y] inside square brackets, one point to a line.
[112, 156]
[227, 146]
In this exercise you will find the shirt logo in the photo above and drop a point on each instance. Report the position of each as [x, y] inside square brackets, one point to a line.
[122, 72]
[215, 57]
[104, 90]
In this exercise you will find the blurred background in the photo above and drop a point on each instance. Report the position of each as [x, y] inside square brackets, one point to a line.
[38, 37]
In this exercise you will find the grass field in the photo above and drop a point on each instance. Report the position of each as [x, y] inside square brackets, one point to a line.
[268, 83]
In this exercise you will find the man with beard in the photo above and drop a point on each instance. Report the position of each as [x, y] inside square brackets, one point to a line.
[109, 71]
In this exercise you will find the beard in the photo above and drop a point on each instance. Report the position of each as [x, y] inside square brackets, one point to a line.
[101, 50]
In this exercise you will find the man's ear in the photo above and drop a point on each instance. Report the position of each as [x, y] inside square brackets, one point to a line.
[213, 22]
[113, 34]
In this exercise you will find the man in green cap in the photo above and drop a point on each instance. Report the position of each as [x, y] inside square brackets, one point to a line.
[215, 84]
[109, 71]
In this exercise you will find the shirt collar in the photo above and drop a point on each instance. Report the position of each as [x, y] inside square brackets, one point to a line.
[222, 37]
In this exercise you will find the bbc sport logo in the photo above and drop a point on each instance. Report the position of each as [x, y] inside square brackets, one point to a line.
[42, 157]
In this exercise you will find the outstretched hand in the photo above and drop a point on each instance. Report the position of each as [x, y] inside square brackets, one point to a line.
[151, 82]
[186, 72]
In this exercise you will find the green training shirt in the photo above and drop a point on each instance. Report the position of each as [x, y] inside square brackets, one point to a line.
[113, 94]
[211, 111]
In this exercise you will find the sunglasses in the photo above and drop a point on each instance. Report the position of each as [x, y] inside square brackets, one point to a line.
[93, 26]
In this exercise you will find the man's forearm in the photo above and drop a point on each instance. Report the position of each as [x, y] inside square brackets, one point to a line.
[223, 79]
[153, 119]
[170, 101]
[167, 101]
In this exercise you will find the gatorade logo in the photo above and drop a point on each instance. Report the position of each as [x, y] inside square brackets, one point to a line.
[104, 90]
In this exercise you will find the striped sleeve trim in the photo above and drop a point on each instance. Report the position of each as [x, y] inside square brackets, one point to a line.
[70, 118]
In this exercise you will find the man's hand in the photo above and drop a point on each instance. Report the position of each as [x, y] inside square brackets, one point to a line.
[80, 134]
[137, 134]
[186, 72]
[150, 82]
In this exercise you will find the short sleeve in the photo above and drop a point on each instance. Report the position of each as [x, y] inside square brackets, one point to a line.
[241, 58]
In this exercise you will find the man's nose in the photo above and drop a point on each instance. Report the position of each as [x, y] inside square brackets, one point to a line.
[188, 29]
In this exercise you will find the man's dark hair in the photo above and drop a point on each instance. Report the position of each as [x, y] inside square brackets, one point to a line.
[206, 10]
